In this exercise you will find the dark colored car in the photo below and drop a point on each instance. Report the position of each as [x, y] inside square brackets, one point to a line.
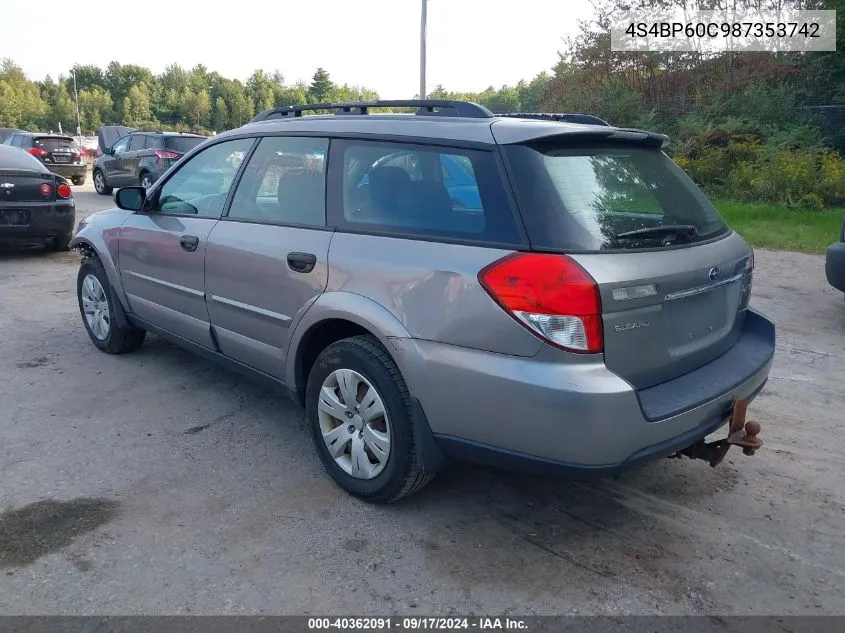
[138, 158]
[834, 266]
[6, 132]
[36, 206]
[60, 154]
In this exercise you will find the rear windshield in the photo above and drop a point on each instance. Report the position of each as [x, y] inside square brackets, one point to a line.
[610, 197]
[50, 143]
[182, 144]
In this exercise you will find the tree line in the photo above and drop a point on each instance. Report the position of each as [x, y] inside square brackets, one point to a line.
[197, 99]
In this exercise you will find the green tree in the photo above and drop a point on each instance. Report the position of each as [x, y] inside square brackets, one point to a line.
[240, 109]
[95, 108]
[321, 87]
[220, 115]
[21, 104]
[136, 106]
[196, 108]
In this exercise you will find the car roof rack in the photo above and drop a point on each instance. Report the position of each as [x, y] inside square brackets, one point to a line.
[425, 107]
[586, 119]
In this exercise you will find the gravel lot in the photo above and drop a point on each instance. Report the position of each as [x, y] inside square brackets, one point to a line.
[179, 487]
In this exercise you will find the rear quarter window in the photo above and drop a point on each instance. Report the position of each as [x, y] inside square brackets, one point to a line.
[608, 197]
[418, 190]
[182, 144]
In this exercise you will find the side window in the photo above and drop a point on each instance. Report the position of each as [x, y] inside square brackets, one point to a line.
[155, 142]
[201, 185]
[426, 190]
[284, 182]
[120, 146]
[136, 142]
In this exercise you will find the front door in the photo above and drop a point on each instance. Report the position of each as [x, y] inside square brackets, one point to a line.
[267, 259]
[162, 248]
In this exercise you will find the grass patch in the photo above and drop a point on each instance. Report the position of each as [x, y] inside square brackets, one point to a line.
[781, 228]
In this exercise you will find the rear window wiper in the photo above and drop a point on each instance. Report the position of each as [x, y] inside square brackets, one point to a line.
[686, 230]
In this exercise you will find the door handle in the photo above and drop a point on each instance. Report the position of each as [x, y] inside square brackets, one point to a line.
[189, 242]
[301, 262]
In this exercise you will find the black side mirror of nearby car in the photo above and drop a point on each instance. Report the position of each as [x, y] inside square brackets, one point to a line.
[131, 198]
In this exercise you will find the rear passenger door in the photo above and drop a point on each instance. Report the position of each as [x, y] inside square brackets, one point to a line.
[113, 164]
[266, 260]
[137, 143]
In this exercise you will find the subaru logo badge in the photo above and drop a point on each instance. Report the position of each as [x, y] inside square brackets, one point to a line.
[714, 273]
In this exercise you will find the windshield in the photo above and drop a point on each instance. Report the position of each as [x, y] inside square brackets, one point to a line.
[611, 197]
[182, 144]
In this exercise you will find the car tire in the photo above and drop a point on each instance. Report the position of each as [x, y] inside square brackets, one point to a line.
[93, 290]
[364, 357]
[61, 243]
[78, 180]
[145, 180]
[100, 184]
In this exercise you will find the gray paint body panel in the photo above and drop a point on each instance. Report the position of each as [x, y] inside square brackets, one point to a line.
[432, 288]
[253, 295]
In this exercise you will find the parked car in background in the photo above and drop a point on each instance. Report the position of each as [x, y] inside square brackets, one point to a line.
[138, 158]
[58, 153]
[548, 295]
[834, 266]
[6, 132]
[36, 205]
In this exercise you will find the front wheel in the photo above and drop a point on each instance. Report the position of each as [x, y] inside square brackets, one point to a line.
[96, 304]
[100, 183]
[359, 411]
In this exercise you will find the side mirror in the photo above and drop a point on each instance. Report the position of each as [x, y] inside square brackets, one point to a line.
[131, 198]
[109, 151]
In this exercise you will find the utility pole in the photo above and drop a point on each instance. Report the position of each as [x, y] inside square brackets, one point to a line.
[76, 99]
[423, 20]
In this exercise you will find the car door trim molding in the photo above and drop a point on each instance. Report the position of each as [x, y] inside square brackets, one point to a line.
[167, 284]
[682, 294]
[276, 316]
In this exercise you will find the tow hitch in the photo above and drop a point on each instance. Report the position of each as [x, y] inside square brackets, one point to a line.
[740, 433]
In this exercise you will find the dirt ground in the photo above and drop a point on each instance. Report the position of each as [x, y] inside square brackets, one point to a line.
[157, 483]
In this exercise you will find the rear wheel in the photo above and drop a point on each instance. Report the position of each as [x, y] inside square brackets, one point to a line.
[78, 180]
[146, 180]
[100, 183]
[96, 304]
[359, 411]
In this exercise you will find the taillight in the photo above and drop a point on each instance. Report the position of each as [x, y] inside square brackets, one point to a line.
[551, 295]
[45, 189]
[37, 152]
[63, 190]
[160, 153]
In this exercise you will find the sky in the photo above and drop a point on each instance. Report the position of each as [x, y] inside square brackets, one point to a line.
[472, 44]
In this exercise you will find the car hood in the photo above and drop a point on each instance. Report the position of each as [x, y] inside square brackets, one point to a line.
[109, 134]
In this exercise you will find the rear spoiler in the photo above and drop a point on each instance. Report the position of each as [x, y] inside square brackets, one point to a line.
[572, 133]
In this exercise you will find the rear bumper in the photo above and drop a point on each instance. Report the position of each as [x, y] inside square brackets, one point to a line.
[68, 171]
[576, 419]
[45, 222]
[834, 266]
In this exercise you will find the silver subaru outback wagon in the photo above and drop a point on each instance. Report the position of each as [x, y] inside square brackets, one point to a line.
[540, 292]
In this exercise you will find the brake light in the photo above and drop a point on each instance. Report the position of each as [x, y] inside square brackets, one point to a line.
[63, 190]
[37, 152]
[163, 154]
[551, 295]
[45, 189]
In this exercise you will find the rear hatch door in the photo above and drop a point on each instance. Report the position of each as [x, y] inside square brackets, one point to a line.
[58, 150]
[674, 280]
